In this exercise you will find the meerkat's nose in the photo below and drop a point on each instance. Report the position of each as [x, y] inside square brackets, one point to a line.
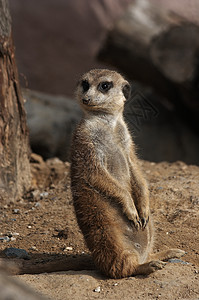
[86, 101]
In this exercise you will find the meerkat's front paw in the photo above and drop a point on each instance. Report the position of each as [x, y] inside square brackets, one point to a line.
[144, 221]
[133, 216]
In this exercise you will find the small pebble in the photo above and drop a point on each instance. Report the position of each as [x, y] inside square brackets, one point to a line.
[16, 211]
[4, 238]
[33, 248]
[44, 194]
[12, 239]
[29, 226]
[176, 260]
[38, 204]
[68, 249]
[97, 289]
[10, 234]
[159, 188]
[184, 167]
[15, 233]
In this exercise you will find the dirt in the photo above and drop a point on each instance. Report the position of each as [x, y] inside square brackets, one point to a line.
[43, 223]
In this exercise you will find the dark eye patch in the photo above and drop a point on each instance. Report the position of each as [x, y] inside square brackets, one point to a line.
[105, 86]
[85, 85]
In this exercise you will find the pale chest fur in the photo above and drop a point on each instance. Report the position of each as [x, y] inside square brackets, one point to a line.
[113, 145]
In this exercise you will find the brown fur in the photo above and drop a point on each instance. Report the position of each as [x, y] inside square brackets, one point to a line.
[110, 194]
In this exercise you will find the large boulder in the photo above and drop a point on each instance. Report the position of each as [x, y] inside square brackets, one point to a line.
[51, 121]
[156, 43]
[57, 41]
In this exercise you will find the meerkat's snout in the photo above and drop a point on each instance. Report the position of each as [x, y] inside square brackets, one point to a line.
[86, 101]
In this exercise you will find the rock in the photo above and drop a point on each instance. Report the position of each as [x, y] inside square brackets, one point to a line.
[38, 204]
[16, 253]
[15, 233]
[51, 121]
[43, 195]
[33, 248]
[12, 239]
[16, 211]
[4, 238]
[11, 234]
[97, 289]
[150, 38]
[68, 249]
[178, 261]
[55, 66]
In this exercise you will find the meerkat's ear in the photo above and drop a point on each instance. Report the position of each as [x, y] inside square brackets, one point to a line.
[126, 90]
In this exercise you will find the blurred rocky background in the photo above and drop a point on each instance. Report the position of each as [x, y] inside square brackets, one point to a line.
[153, 43]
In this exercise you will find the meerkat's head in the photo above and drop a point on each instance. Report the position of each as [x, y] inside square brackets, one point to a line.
[103, 91]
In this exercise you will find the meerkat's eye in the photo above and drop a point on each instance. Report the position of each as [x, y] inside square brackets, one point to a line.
[85, 85]
[105, 86]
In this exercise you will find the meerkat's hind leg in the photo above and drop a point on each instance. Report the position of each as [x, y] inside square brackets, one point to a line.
[158, 261]
[127, 265]
[149, 267]
[168, 254]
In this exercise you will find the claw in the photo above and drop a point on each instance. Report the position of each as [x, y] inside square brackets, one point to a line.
[136, 224]
[144, 222]
[139, 222]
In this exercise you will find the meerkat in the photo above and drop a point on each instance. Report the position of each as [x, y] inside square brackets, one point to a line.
[110, 194]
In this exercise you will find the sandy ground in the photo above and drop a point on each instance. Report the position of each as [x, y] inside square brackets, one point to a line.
[36, 223]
